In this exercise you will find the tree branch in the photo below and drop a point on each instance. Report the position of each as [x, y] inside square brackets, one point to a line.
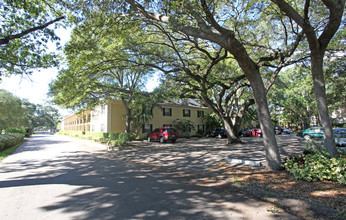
[7, 39]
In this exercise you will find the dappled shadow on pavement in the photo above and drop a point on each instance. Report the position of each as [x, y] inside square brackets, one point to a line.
[80, 184]
[202, 153]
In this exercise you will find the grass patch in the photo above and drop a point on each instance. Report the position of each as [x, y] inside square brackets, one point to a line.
[5, 153]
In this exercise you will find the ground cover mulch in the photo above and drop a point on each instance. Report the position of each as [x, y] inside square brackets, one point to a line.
[310, 200]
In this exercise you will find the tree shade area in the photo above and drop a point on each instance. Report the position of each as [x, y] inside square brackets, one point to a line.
[203, 43]
[244, 60]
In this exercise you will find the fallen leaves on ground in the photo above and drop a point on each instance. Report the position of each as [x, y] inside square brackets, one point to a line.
[327, 193]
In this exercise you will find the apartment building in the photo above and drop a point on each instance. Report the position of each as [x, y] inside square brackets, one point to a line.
[110, 117]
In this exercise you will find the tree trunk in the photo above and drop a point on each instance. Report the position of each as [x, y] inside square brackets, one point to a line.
[251, 71]
[127, 117]
[232, 134]
[273, 160]
[320, 94]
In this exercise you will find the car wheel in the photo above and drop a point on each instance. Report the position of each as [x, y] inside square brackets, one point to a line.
[161, 140]
[219, 136]
[173, 141]
[149, 139]
[307, 137]
[259, 135]
[207, 135]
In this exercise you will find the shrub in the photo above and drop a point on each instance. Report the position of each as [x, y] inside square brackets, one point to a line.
[105, 135]
[313, 148]
[114, 135]
[15, 130]
[10, 140]
[114, 138]
[315, 167]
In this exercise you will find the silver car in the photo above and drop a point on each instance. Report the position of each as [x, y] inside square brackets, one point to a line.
[340, 136]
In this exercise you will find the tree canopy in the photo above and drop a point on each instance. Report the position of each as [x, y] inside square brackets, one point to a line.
[13, 112]
[26, 27]
[259, 36]
[21, 114]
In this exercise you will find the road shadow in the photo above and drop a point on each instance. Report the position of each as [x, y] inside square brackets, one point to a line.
[101, 187]
[202, 153]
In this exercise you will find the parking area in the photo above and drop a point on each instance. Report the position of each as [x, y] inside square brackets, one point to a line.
[199, 153]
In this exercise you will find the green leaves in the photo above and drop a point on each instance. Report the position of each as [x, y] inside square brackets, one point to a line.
[24, 33]
[316, 167]
[13, 113]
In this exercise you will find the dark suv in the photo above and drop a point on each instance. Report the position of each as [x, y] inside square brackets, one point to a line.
[163, 134]
[217, 132]
[278, 130]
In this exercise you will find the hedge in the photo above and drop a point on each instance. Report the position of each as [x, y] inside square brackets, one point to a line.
[10, 140]
[113, 138]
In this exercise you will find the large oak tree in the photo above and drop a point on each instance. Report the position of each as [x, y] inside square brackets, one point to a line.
[319, 20]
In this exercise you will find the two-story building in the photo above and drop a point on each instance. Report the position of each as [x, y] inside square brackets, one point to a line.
[110, 117]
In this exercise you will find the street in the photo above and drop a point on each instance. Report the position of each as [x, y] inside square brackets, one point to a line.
[57, 177]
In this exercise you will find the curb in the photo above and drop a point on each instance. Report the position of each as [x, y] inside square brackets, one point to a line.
[245, 162]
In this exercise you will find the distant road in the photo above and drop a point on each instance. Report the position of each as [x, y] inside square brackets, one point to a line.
[55, 177]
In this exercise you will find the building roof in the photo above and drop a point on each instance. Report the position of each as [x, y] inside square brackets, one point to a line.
[183, 102]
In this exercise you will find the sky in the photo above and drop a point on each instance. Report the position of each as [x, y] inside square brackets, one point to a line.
[36, 86]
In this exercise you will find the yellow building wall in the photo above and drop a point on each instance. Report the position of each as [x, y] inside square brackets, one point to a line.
[158, 120]
[117, 116]
[77, 122]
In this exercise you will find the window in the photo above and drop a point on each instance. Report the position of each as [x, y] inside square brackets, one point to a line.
[167, 112]
[156, 130]
[186, 113]
[146, 128]
[200, 114]
[167, 125]
[200, 128]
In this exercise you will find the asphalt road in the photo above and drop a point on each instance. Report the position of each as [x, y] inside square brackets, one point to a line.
[56, 177]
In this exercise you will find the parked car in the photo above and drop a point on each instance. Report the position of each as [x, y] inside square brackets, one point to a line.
[313, 132]
[340, 136]
[244, 132]
[256, 132]
[300, 133]
[278, 130]
[163, 134]
[217, 132]
[287, 131]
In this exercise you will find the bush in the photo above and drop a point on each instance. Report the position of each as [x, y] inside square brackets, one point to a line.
[105, 135]
[10, 140]
[120, 139]
[315, 167]
[114, 135]
[114, 138]
[15, 130]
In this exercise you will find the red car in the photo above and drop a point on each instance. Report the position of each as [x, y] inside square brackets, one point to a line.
[163, 134]
[256, 132]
